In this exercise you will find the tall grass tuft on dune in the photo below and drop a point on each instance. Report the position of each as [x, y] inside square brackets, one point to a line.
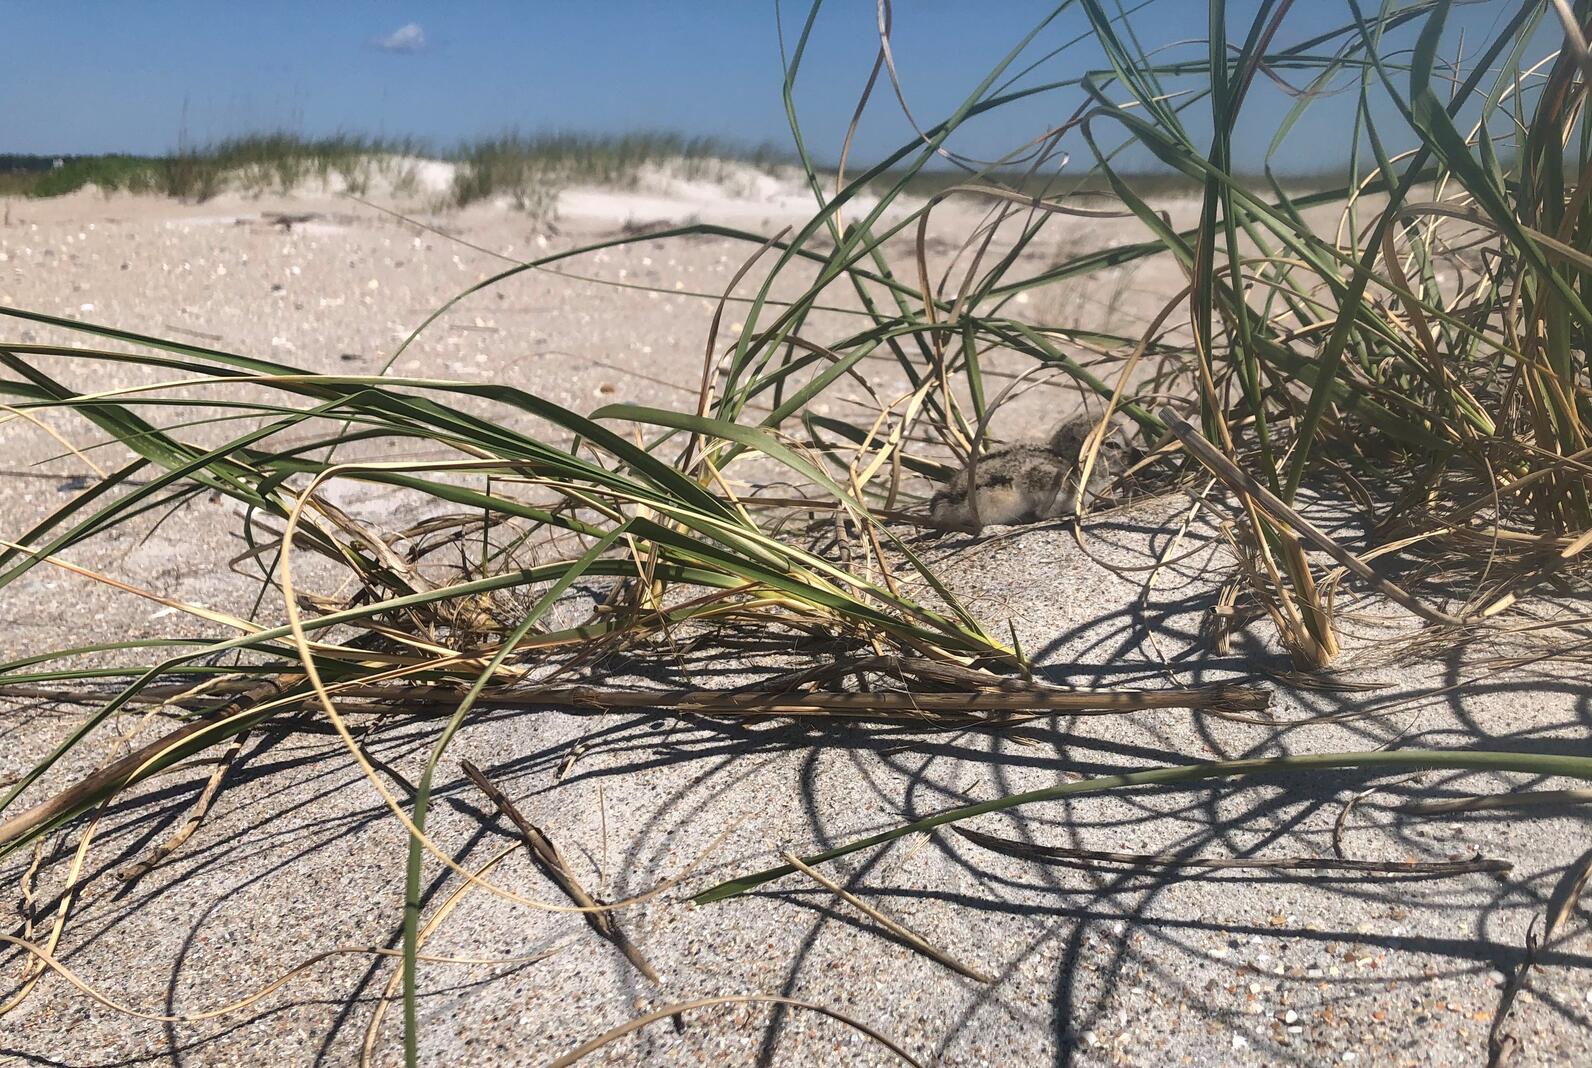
[256, 163]
[1430, 339]
[532, 168]
[1423, 355]
[1420, 354]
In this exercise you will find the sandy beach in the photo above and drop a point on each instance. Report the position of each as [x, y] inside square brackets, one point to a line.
[1091, 962]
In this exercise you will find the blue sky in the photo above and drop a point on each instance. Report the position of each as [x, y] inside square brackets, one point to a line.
[133, 76]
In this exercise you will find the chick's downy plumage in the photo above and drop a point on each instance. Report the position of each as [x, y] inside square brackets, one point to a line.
[1027, 482]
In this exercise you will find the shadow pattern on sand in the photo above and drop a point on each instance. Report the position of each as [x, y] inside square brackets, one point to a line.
[1081, 955]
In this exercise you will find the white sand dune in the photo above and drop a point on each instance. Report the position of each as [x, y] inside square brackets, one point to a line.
[726, 192]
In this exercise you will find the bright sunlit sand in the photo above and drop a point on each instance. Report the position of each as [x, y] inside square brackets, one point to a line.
[1021, 579]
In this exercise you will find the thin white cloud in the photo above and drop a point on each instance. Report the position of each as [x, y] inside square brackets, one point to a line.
[407, 38]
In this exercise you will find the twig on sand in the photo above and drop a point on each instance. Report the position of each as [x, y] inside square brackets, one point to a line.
[552, 865]
[982, 695]
[139, 868]
[895, 927]
[879, 705]
[1502, 1045]
[200, 334]
[1087, 857]
[118, 773]
[1486, 802]
[734, 999]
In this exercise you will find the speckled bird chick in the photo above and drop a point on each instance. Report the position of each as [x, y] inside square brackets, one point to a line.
[1026, 481]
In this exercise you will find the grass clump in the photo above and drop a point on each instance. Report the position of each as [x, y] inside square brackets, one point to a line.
[530, 170]
[259, 163]
[34, 177]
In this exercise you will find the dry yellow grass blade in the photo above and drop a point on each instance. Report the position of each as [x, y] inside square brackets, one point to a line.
[679, 1008]
[895, 927]
[50, 961]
